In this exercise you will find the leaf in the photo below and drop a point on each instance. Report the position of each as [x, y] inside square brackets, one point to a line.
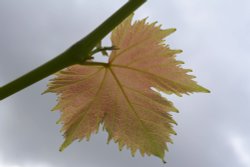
[119, 94]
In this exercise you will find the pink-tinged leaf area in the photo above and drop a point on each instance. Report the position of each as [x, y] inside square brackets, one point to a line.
[119, 94]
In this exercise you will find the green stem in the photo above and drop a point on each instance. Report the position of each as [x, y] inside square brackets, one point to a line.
[76, 54]
[103, 49]
[95, 64]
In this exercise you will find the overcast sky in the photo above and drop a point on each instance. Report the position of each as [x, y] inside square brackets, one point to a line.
[213, 129]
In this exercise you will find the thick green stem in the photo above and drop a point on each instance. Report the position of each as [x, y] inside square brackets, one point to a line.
[39, 73]
[77, 53]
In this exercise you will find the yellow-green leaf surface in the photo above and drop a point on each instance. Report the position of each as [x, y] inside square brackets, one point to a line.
[119, 94]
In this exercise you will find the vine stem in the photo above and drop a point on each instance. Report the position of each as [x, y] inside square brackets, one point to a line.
[78, 53]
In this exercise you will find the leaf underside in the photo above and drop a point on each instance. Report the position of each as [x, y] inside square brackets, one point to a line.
[119, 94]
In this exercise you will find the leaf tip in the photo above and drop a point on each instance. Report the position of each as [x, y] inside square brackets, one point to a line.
[207, 91]
[57, 107]
[65, 144]
[204, 90]
[178, 51]
[173, 29]
[61, 149]
[44, 92]
[58, 121]
[174, 109]
[167, 32]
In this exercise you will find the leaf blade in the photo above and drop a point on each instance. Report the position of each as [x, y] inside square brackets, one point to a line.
[119, 94]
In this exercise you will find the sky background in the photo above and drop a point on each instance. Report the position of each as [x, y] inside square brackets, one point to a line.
[213, 129]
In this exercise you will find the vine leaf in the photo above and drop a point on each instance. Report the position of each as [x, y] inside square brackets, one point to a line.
[119, 94]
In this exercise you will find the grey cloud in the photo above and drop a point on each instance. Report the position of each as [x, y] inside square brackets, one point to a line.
[215, 38]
